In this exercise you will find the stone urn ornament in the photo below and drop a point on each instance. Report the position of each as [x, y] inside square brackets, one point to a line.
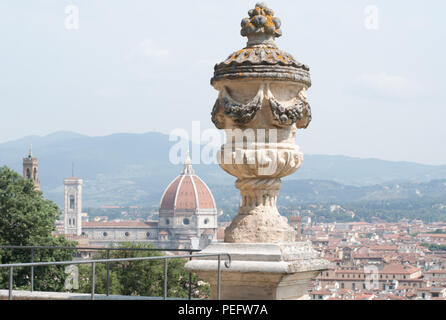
[262, 103]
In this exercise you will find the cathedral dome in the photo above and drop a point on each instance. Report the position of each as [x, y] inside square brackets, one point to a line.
[187, 192]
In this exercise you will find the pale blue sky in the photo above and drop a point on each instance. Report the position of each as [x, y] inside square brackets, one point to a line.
[138, 66]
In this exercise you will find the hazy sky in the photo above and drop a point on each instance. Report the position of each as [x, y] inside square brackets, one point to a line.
[139, 65]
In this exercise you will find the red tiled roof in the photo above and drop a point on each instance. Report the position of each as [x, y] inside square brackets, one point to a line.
[321, 292]
[168, 200]
[187, 192]
[185, 195]
[363, 296]
[384, 248]
[205, 198]
[398, 269]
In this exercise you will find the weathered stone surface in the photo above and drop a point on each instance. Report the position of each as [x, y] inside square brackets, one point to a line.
[298, 112]
[259, 225]
[261, 58]
[262, 62]
[261, 105]
[261, 24]
[260, 271]
[260, 150]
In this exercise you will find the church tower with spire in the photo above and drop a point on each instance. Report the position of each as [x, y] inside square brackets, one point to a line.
[31, 169]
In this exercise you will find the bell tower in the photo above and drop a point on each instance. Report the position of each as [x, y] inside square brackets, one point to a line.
[31, 169]
[73, 206]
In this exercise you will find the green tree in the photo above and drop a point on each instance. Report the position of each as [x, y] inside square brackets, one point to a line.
[141, 278]
[26, 219]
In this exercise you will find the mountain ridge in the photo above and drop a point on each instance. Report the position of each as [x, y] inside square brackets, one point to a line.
[135, 167]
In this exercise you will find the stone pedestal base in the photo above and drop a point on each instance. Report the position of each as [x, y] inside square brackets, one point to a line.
[260, 271]
[260, 225]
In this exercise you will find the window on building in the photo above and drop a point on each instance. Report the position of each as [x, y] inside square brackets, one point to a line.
[342, 285]
[167, 221]
[105, 234]
[148, 234]
[186, 221]
[127, 234]
[71, 202]
[206, 221]
[28, 173]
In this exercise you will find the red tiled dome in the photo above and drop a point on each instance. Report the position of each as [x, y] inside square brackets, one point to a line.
[187, 192]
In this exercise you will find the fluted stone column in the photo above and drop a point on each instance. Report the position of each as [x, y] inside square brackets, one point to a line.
[261, 105]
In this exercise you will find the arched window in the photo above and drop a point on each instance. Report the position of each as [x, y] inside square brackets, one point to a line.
[28, 173]
[35, 174]
[71, 202]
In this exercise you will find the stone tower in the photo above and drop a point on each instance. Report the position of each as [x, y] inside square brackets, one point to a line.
[261, 105]
[31, 169]
[73, 206]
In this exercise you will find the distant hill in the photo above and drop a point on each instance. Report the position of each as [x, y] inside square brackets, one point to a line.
[296, 192]
[134, 169]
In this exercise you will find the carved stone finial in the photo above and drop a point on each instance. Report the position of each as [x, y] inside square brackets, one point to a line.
[261, 105]
[262, 100]
[261, 58]
[261, 27]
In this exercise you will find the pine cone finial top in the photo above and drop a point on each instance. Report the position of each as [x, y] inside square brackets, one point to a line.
[261, 27]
